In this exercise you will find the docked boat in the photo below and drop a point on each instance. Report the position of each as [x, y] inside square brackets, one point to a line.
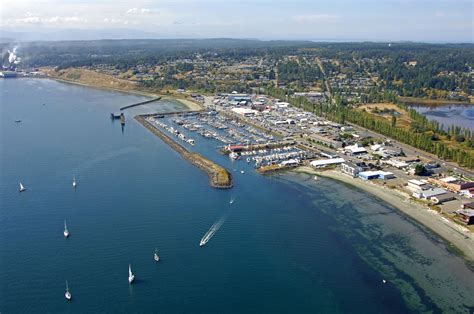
[66, 232]
[156, 257]
[131, 276]
[74, 183]
[68, 294]
[22, 188]
[234, 156]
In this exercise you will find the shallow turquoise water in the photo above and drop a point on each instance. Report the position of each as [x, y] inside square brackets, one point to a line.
[288, 243]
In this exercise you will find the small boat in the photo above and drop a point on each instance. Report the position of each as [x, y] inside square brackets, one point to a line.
[74, 183]
[66, 232]
[241, 171]
[315, 178]
[17, 121]
[22, 188]
[131, 276]
[202, 243]
[68, 294]
[248, 159]
[231, 201]
[155, 256]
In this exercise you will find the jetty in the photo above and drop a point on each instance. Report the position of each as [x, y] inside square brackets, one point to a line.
[219, 177]
[141, 103]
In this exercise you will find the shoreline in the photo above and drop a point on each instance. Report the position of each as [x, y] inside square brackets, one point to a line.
[190, 105]
[450, 232]
[413, 101]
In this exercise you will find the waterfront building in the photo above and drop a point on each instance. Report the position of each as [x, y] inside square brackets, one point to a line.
[350, 169]
[418, 185]
[439, 199]
[427, 194]
[377, 174]
[326, 162]
[466, 215]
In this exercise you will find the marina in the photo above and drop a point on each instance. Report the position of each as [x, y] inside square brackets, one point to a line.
[318, 242]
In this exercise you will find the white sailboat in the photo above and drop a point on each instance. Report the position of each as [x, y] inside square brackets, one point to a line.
[131, 276]
[68, 294]
[74, 183]
[66, 232]
[156, 257]
[22, 188]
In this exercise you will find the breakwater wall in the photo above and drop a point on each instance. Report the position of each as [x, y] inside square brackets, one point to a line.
[219, 177]
[141, 103]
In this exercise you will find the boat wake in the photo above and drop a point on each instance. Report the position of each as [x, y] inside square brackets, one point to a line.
[214, 228]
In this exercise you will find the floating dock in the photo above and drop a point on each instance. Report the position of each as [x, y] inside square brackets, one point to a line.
[219, 177]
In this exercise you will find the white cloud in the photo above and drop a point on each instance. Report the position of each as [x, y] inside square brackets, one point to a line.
[31, 18]
[312, 18]
[138, 11]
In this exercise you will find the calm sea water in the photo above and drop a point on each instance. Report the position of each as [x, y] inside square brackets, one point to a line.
[288, 244]
[448, 115]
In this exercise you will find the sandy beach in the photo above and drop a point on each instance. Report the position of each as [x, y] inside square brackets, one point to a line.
[92, 79]
[456, 235]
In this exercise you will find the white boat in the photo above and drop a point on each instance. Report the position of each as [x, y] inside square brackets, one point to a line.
[234, 156]
[66, 232]
[74, 183]
[248, 159]
[156, 257]
[241, 171]
[131, 276]
[68, 294]
[22, 188]
[231, 201]
[203, 242]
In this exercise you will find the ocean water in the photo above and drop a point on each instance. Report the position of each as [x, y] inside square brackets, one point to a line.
[288, 243]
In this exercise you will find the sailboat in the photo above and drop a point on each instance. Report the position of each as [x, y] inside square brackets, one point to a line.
[74, 184]
[67, 294]
[131, 276]
[155, 256]
[22, 188]
[66, 232]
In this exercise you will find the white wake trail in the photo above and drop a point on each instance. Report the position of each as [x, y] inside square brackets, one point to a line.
[214, 228]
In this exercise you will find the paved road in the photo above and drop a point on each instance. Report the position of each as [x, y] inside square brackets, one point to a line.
[410, 150]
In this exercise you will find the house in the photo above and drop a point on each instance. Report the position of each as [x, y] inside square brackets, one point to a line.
[439, 199]
[350, 169]
[466, 215]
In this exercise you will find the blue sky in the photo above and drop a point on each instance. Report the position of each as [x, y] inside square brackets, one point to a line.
[341, 20]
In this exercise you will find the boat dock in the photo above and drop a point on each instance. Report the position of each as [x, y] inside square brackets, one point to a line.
[141, 103]
[219, 177]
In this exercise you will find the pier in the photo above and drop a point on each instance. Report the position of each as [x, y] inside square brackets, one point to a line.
[140, 103]
[219, 177]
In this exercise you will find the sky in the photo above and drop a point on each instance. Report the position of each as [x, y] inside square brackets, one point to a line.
[336, 20]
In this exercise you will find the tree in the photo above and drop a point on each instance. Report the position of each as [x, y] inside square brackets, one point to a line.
[420, 170]
[394, 121]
